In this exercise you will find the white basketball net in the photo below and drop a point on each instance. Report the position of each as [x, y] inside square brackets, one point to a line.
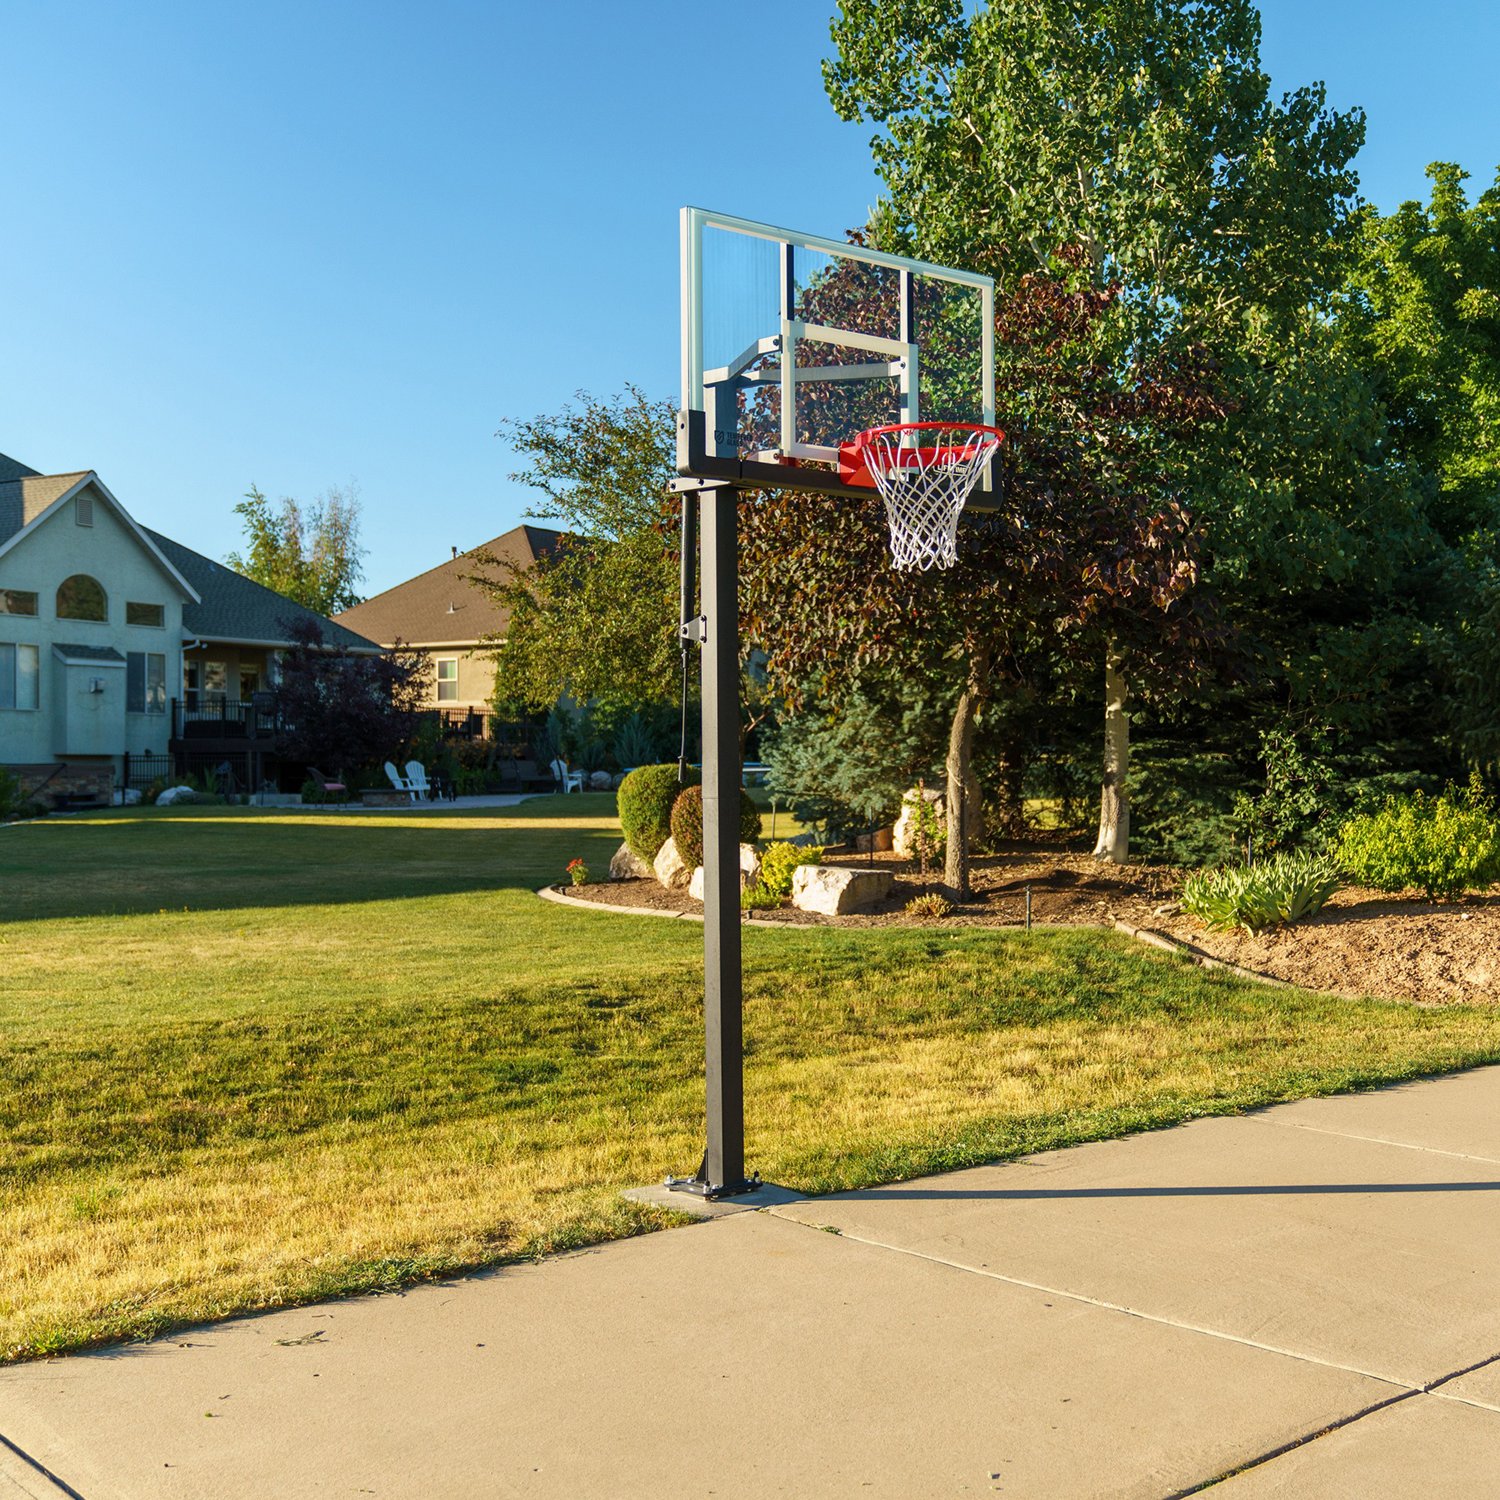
[925, 489]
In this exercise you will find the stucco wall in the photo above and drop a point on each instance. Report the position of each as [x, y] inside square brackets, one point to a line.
[476, 678]
[110, 553]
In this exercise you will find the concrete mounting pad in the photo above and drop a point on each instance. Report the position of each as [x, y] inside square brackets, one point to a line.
[1375, 1257]
[747, 1357]
[1423, 1446]
[659, 1195]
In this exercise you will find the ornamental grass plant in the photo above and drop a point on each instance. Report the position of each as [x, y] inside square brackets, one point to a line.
[1285, 888]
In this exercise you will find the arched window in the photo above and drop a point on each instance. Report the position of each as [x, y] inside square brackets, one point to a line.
[81, 598]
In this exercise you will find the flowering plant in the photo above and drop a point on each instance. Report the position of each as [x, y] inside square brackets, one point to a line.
[578, 871]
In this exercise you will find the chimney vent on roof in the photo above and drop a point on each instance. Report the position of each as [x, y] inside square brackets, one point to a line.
[452, 609]
[455, 551]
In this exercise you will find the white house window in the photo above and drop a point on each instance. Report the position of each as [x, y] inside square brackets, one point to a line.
[145, 614]
[82, 598]
[83, 510]
[17, 602]
[447, 679]
[145, 683]
[19, 670]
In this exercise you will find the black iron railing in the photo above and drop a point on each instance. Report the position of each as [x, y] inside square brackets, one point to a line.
[208, 717]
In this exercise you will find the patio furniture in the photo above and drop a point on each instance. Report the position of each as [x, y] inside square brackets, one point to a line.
[567, 781]
[416, 779]
[400, 782]
[532, 779]
[324, 780]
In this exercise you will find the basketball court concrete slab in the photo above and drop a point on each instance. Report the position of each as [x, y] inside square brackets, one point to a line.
[1421, 1447]
[1481, 1386]
[1459, 1114]
[750, 1356]
[1375, 1257]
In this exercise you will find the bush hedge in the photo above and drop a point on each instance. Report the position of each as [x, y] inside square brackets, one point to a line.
[779, 861]
[687, 823]
[644, 801]
[1441, 846]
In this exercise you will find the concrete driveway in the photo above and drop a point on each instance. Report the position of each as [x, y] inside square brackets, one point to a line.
[1303, 1302]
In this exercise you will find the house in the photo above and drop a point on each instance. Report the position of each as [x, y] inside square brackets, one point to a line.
[454, 621]
[123, 654]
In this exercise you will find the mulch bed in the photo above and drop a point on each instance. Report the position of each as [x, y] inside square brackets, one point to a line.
[1363, 942]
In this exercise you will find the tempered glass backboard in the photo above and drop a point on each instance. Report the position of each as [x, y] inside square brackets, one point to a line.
[793, 345]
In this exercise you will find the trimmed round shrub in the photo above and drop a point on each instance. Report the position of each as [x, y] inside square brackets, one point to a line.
[687, 823]
[644, 801]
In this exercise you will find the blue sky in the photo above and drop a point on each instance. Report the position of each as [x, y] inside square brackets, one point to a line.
[297, 245]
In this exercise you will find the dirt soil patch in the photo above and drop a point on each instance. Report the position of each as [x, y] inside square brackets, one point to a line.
[1362, 943]
[1368, 943]
[1067, 887]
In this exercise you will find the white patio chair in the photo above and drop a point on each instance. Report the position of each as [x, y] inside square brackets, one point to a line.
[416, 779]
[400, 782]
[567, 781]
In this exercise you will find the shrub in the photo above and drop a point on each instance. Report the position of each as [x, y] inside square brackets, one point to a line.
[758, 898]
[10, 793]
[645, 803]
[1442, 846]
[930, 905]
[687, 823]
[1285, 888]
[779, 860]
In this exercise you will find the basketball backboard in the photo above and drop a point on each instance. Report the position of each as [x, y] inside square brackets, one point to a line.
[793, 345]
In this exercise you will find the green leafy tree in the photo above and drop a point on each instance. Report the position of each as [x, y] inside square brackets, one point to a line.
[1424, 318]
[1130, 144]
[310, 554]
[596, 620]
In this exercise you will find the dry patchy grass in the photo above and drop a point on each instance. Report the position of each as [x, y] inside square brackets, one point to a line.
[253, 1059]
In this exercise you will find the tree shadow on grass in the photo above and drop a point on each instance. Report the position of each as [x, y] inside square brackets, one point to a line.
[221, 859]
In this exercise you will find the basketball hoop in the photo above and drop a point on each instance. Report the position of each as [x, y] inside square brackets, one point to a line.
[924, 489]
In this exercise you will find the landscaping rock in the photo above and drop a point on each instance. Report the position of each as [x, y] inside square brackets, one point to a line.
[836, 890]
[670, 868]
[880, 842]
[175, 794]
[626, 864]
[749, 872]
[904, 835]
[601, 781]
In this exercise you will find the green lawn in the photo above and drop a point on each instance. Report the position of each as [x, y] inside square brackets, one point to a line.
[250, 1058]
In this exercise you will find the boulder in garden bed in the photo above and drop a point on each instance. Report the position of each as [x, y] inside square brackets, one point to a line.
[601, 781]
[749, 872]
[904, 835]
[837, 890]
[671, 868]
[626, 864]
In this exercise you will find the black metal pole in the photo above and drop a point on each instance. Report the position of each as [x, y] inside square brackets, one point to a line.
[722, 1173]
[722, 986]
[687, 612]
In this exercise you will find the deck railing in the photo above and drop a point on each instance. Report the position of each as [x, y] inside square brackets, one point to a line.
[206, 716]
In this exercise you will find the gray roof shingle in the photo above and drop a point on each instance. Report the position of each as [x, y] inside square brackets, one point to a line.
[13, 468]
[25, 497]
[440, 606]
[70, 652]
[236, 608]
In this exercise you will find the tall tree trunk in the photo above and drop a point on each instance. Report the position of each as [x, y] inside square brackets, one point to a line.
[962, 802]
[1114, 796]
